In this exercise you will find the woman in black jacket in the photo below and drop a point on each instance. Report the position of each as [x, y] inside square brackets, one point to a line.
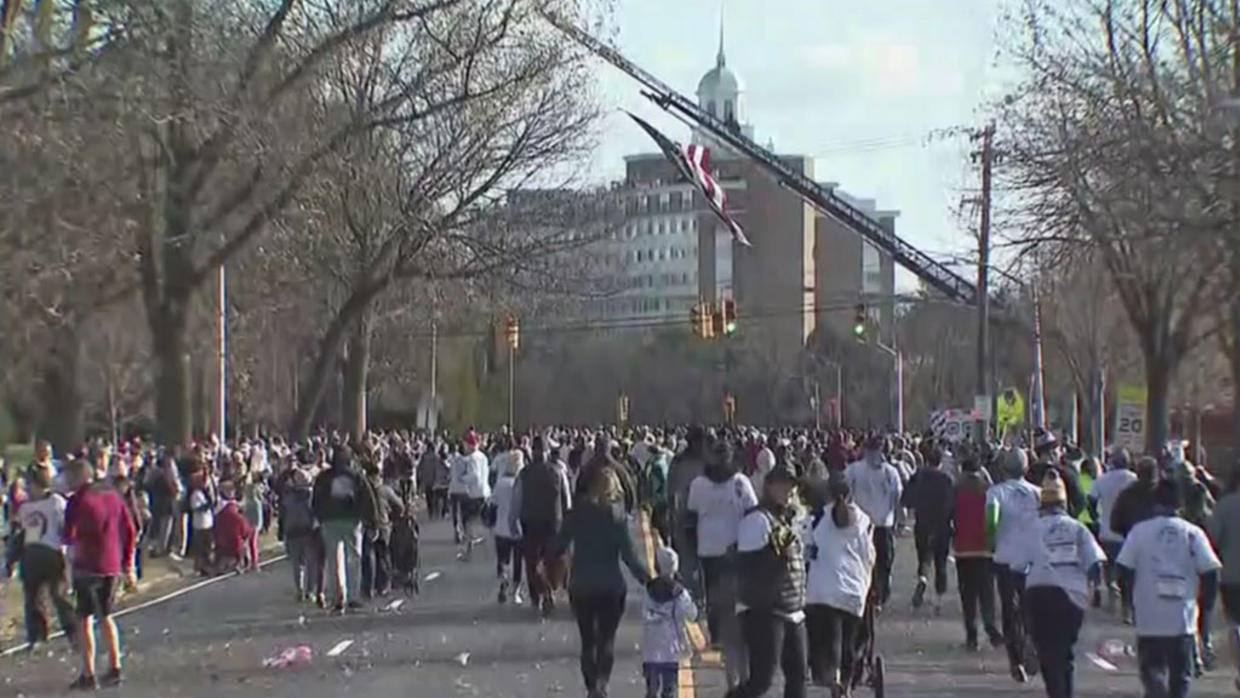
[598, 530]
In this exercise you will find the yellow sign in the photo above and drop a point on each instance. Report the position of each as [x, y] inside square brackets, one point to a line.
[1011, 410]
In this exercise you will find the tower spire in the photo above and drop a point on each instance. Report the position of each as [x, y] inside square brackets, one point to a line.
[720, 59]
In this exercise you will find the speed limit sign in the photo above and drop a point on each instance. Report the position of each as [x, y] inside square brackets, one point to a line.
[1130, 418]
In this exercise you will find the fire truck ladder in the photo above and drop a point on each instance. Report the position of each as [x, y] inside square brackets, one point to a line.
[824, 200]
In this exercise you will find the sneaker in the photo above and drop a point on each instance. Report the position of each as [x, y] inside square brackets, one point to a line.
[1019, 675]
[995, 637]
[113, 678]
[919, 595]
[516, 598]
[321, 601]
[84, 683]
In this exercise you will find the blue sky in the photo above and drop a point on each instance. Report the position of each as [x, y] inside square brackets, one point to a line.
[861, 86]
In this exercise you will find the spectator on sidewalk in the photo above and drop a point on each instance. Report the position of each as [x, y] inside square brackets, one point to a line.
[232, 532]
[43, 564]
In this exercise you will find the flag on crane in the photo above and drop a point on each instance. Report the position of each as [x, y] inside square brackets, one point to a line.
[693, 163]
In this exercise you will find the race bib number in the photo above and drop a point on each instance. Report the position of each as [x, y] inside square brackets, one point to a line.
[1171, 587]
[1062, 554]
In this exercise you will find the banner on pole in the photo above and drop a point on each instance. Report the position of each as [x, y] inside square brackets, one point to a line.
[1130, 423]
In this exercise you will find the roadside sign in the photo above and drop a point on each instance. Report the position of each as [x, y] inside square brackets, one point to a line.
[981, 406]
[953, 425]
[1130, 417]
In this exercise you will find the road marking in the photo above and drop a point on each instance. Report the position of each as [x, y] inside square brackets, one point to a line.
[1100, 662]
[432, 576]
[156, 601]
[684, 677]
[339, 648]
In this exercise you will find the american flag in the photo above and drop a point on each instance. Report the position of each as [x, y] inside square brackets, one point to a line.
[693, 163]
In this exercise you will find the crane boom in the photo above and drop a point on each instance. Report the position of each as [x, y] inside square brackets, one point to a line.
[821, 198]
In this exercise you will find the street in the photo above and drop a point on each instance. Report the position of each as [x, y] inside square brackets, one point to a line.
[455, 640]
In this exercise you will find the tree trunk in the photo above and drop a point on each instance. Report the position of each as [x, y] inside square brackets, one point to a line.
[173, 413]
[333, 340]
[1158, 371]
[63, 413]
[1235, 366]
[356, 368]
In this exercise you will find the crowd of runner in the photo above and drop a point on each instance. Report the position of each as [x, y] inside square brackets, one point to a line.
[782, 540]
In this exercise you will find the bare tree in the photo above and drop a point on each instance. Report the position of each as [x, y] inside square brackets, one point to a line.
[1111, 150]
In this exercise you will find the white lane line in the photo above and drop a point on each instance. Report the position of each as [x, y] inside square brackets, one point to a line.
[432, 576]
[339, 648]
[156, 601]
[1100, 662]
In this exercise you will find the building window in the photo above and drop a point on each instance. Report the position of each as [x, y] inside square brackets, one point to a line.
[710, 107]
[639, 255]
[729, 113]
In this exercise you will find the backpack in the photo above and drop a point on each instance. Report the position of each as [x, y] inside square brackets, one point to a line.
[541, 493]
[344, 489]
[298, 517]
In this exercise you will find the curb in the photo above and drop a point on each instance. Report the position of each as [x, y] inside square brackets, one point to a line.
[155, 601]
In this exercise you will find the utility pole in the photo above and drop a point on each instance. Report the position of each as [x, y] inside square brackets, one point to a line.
[221, 405]
[987, 156]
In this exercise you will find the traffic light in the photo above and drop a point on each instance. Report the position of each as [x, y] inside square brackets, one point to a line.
[728, 320]
[512, 332]
[701, 321]
[860, 322]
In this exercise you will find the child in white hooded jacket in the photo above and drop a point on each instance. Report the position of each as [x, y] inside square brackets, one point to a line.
[667, 608]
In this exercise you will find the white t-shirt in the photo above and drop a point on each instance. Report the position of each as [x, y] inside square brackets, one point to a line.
[43, 521]
[843, 564]
[1058, 551]
[1168, 555]
[1018, 503]
[202, 516]
[876, 489]
[1106, 491]
[719, 506]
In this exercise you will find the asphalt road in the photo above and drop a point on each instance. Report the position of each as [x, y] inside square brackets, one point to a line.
[455, 640]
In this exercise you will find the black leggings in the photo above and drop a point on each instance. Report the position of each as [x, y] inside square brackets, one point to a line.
[598, 616]
[832, 635]
[508, 555]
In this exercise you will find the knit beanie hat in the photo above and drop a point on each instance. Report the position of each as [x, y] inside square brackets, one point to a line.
[666, 561]
[1053, 489]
